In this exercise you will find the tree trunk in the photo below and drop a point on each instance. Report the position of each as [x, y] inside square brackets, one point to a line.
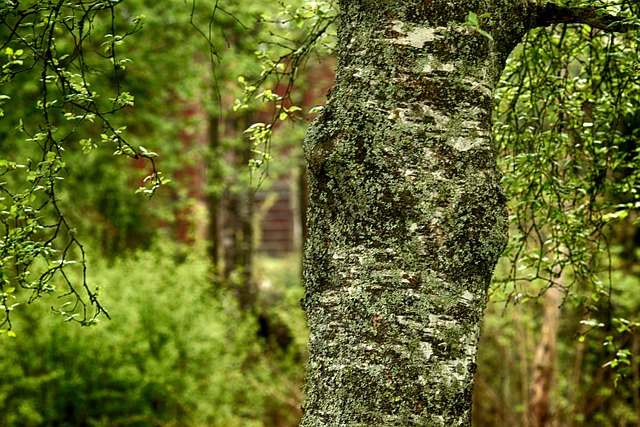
[406, 216]
[214, 198]
[544, 362]
[232, 236]
[236, 245]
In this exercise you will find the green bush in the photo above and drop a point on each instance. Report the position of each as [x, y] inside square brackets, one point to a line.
[177, 353]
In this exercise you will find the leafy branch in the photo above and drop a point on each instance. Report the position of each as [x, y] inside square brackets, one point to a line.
[66, 48]
[308, 32]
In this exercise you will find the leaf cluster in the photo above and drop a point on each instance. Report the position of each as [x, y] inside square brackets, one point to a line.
[61, 74]
[569, 133]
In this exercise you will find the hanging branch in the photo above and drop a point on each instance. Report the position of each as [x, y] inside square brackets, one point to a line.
[560, 114]
[57, 44]
[551, 13]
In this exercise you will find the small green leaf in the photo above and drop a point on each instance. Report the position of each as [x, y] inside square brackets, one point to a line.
[472, 19]
[484, 33]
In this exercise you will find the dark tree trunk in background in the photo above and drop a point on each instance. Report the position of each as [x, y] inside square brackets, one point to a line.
[231, 212]
[215, 176]
[406, 216]
[236, 245]
[544, 362]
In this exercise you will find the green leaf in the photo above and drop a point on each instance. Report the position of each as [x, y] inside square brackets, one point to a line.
[472, 19]
[484, 33]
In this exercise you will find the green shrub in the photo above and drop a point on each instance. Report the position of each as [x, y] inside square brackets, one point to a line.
[177, 353]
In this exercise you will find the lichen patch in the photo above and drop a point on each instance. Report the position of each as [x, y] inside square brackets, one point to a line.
[416, 37]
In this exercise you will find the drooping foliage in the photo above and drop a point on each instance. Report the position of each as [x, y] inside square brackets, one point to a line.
[61, 76]
[567, 133]
[82, 82]
[568, 127]
[308, 32]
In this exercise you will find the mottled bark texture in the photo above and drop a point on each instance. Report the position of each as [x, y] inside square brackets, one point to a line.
[406, 215]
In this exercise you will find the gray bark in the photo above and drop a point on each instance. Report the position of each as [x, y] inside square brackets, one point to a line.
[406, 216]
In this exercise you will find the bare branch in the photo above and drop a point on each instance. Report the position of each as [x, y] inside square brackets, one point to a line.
[550, 13]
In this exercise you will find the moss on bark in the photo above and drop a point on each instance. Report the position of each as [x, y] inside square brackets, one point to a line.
[406, 215]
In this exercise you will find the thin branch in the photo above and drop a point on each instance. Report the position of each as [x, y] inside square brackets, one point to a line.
[551, 13]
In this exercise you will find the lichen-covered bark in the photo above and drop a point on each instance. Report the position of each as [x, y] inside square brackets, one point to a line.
[406, 217]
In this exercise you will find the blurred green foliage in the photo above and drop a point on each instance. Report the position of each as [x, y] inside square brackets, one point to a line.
[584, 390]
[176, 353]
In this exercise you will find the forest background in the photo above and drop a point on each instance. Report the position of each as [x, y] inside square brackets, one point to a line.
[205, 326]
